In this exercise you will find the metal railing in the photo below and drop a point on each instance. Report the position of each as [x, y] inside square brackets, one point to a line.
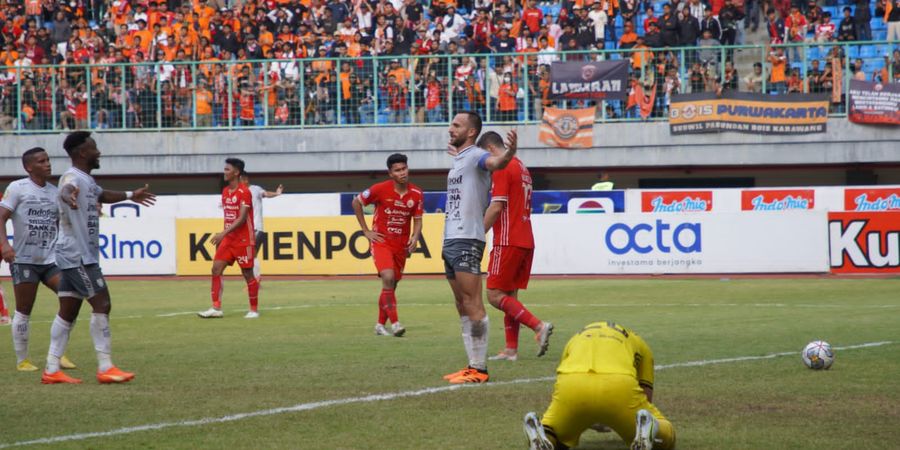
[405, 90]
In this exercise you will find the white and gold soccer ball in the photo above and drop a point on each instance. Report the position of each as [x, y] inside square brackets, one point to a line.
[818, 355]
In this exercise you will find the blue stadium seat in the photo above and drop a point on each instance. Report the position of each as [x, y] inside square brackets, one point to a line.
[879, 35]
[609, 45]
[878, 24]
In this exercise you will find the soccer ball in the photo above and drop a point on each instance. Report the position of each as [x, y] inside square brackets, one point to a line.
[818, 355]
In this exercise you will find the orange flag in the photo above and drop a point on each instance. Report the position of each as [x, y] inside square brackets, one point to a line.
[644, 101]
[568, 128]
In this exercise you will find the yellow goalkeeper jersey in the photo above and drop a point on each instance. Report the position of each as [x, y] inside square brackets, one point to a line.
[608, 348]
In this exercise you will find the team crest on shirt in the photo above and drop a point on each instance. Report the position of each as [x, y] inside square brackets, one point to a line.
[234, 199]
[366, 193]
[409, 203]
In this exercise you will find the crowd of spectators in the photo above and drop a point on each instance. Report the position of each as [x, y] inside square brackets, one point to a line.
[212, 63]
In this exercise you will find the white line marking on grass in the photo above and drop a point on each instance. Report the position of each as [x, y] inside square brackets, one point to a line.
[374, 398]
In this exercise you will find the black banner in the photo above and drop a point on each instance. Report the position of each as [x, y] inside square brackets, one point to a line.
[605, 80]
[874, 102]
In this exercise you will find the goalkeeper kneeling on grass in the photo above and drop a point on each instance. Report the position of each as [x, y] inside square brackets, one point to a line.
[605, 378]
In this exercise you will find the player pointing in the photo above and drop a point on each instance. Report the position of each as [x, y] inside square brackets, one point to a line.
[468, 191]
[31, 203]
[236, 242]
[396, 202]
[78, 254]
[605, 377]
[509, 214]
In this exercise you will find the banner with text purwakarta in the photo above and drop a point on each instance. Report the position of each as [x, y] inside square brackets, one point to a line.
[874, 102]
[748, 113]
[589, 80]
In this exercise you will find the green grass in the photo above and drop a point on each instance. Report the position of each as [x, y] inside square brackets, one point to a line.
[320, 346]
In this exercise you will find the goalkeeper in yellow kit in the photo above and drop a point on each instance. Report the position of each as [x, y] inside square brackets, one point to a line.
[605, 377]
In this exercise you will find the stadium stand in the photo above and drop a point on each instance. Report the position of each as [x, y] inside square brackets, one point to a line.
[222, 63]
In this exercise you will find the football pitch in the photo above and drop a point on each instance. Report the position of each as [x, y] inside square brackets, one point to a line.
[310, 373]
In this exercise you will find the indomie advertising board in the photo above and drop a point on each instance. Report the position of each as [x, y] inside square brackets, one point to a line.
[872, 199]
[676, 201]
[777, 199]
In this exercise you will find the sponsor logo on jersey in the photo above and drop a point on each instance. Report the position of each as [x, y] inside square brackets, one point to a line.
[777, 200]
[864, 242]
[659, 236]
[676, 201]
[883, 199]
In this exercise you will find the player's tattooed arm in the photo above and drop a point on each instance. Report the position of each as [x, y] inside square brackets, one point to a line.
[141, 196]
[68, 193]
[493, 163]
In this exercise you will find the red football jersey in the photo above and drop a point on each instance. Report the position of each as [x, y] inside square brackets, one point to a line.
[512, 185]
[231, 204]
[393, 212]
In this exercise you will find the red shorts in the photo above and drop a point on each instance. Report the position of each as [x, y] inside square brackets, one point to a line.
[389, 258]
[236, 251]
[509, 268]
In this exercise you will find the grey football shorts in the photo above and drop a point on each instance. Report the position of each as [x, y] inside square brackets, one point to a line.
[33, 273]
[462, 255]
[82, 282]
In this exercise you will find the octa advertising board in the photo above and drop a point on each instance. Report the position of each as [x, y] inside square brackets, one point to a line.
[741, 242]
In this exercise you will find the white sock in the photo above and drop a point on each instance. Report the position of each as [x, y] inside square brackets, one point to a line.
[59, 340]
[101, 336]
[20, 330]
[257, 268]
[466, 326]
[478, 357]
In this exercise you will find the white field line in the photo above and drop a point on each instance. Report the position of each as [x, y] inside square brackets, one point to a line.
[374, 398]
[533, 305]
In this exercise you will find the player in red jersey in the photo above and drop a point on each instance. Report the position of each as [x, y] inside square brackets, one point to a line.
[236, 242]
[510, 266]
[396, 202]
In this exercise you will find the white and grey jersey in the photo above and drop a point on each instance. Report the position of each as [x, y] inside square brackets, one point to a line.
[468, 195]
[78, 243]
[35, 218]
[257, 194]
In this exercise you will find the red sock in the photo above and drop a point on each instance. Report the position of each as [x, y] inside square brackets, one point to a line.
[217, 291]
[511, 327]
[391, 305]
[382, 308]
[519, 313]
[253, 293]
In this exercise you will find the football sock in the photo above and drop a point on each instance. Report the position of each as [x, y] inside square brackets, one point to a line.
[466, 326]
[391, 305]
[59, 340]
[382, 308]
[100, 334]
[253, 293]
[514, 308]
[20, 330]
[217, 291]
[511, 328]
[478, 357]
[665, 434]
